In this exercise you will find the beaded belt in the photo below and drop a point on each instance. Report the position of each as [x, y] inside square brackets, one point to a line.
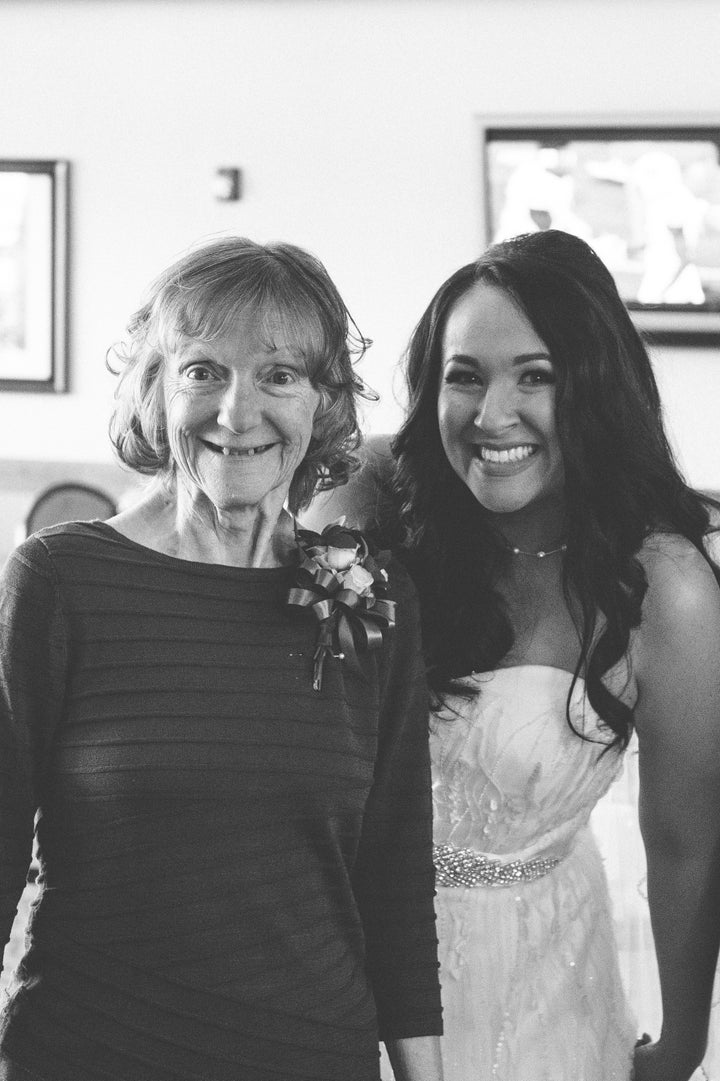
[465, 867]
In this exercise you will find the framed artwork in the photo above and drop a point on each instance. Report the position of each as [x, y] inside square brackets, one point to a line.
[646, 196]
[33, 275]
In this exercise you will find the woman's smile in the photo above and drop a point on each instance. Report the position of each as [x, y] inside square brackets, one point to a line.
[237, 452]
[505, 455]
[493, 464]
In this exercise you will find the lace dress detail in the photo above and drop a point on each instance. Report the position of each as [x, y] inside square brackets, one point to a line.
[530, 979]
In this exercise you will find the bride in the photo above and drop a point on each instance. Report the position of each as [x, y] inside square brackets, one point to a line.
[568, 601]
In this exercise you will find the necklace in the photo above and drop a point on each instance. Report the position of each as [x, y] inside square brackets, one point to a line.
[540, 554]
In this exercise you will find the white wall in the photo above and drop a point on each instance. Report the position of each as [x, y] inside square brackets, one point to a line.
[354, 124]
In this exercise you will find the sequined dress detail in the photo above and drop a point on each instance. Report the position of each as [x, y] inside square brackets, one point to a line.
[530, 979]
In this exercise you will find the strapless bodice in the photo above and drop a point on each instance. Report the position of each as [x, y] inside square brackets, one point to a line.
[510, 777]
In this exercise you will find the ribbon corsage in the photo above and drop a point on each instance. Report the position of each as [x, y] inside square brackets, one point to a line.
[345, 588]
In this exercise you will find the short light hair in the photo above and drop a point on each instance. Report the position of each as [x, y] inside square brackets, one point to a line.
[200, 296]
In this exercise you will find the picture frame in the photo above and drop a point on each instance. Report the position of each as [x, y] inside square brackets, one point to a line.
[33, 275]
[644, 192]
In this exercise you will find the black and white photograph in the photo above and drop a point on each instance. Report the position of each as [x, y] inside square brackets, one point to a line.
[359, 540]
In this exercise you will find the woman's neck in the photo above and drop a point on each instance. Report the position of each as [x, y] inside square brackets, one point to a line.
[533, 529]
[175, 523]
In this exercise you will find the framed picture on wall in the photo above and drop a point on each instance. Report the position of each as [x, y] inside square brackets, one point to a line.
[33, 275]
[645, 195]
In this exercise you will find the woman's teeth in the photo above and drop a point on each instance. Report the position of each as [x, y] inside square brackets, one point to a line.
[247, 452]
[509, 454]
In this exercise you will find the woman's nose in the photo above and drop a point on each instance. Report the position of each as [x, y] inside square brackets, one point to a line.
[496, 410]
[240, 406]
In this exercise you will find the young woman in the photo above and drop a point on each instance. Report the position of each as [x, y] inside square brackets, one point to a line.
[568, 598]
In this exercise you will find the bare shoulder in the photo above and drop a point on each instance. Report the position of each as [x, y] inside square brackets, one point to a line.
[683, 596]
[675, 657]
[677, 573]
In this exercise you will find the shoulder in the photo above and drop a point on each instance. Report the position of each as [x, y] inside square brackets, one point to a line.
[65, 538]
[361, 498]
[679, 577]
[42, 553]
[681, 609]
[57, 536]
[675, 652]
[30, 558]
[28, 584]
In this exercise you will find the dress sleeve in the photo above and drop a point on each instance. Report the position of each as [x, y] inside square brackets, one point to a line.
[32, 667]
[394, 876]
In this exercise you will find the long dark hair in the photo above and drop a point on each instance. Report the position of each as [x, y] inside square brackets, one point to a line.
[621, 480]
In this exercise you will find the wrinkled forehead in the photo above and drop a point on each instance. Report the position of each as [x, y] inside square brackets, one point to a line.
[276, 323]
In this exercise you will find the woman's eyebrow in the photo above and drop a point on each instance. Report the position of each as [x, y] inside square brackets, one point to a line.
[461, 358]
[521, 358]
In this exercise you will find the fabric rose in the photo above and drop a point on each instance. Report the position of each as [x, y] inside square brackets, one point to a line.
[341, 558]
[359, 580]
[344, 586]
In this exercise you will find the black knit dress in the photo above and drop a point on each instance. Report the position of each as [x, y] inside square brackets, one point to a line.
[236, 879]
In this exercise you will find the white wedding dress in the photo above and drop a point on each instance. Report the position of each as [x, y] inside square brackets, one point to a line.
[529, 968]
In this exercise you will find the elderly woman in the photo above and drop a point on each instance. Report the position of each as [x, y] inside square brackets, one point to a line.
[234, 846]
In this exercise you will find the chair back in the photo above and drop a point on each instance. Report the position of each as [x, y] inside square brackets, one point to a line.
[69, 502]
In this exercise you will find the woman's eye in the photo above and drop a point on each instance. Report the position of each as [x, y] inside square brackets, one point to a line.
[462, 376]
[198, 373]
[283, 377]
[538, 377]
